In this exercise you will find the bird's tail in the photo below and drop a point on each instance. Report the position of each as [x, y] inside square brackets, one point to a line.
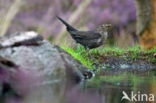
[69, 27]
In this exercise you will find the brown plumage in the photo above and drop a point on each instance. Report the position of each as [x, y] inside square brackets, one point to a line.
[89, 39]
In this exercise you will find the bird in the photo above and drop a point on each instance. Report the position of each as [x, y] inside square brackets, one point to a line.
[89, 39]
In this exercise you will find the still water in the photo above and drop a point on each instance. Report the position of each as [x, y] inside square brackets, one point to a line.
[123, 88]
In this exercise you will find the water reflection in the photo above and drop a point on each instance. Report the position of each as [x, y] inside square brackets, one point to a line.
[138, 88]
[100, 89]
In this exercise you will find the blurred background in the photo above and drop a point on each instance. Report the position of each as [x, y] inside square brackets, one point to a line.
[40, 16]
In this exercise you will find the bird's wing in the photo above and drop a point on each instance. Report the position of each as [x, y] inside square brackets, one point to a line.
[85, 34]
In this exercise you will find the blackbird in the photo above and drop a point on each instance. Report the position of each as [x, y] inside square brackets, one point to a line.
[89, 39]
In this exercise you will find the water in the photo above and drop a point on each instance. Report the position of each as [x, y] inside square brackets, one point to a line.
[100, 89]
[103, 91]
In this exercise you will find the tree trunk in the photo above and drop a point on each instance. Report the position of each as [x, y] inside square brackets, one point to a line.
[146, 23]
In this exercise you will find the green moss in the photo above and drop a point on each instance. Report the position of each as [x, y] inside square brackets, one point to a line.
[80, 54]
[129, 54]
